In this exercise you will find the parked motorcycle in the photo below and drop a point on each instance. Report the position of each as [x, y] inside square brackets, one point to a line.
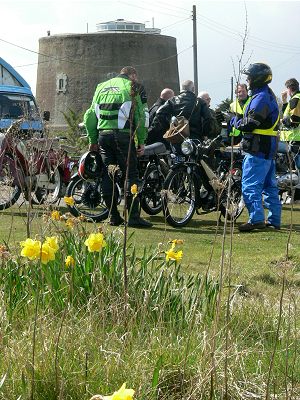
[203, 181]
[153, 167]
[288, 169]
[37, 167]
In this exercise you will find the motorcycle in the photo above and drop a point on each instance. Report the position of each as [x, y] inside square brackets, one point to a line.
[288, 169]
[153, 167]
[39, 168]
[203, 181]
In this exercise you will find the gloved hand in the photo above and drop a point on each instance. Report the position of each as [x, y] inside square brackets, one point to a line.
[287, 122]
[220, 117]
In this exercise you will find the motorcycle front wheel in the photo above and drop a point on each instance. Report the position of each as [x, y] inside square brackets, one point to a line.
[88, 199]
[151, 193]
[179, 197]
[9, 190]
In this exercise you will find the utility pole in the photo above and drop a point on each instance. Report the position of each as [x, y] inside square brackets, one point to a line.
[195, 50]
[231, 96]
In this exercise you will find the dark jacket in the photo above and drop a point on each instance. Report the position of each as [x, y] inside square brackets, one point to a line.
[152, 111]
[187, 105]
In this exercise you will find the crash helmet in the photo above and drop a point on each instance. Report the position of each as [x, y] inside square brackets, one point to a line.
[259, 74]
[90, 165]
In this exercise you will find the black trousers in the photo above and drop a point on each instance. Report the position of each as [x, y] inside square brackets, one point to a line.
[114, 147]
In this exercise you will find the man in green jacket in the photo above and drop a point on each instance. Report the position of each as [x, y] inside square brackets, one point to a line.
[118, 119]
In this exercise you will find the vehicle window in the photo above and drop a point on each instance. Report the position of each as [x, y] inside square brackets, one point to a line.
[17, 106]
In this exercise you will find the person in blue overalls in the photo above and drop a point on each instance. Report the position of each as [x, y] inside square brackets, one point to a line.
[258, 127]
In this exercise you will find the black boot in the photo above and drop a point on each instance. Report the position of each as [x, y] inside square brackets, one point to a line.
[115, 218]
[134, 218]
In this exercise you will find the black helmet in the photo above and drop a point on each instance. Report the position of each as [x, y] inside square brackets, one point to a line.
[259, 75]
[90, 165]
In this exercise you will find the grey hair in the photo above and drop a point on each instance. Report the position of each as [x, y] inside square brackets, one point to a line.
[188, 85]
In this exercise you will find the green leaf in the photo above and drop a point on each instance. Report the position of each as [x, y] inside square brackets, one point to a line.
[156, 372]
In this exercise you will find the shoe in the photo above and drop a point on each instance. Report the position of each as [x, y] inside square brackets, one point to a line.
[248, 227]
[138, 222]
[116, 221]
[269, 225]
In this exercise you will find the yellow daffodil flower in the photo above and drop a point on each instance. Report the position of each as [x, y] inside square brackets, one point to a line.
[52, 241]
[69, 261]
[174, 255]
[31, 249]
[55, 215]
[176, 241]
[134, 189]
[121, 394]
[95, 242]
[47, 253]
[70, 223]
[69, 201]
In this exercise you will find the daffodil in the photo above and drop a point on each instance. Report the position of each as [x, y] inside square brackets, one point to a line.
[69, 201]
[69, 261]
[31, 248]
[95, 242]
[121, 394]
[176, 241]
[55, 215]
[52, 241]
[174, 255]
[70, 223]
[134, 189]
[47, 253]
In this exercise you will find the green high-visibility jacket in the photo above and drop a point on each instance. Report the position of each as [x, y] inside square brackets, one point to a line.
[292, 134]
[118, 104]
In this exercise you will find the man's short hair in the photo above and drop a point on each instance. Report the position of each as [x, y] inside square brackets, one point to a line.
[166, 94]
[243, 85]
[292, 84]
[188, 85]
[128, 70]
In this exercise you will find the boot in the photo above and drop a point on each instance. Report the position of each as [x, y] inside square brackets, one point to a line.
[115, 218]
[134, 218]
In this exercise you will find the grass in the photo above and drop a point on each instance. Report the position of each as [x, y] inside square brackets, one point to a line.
[100, 346]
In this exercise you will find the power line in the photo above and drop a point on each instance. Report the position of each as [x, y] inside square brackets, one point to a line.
[149, 9]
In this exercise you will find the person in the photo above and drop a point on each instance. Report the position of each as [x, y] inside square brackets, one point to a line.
[165, 95]
[259, 143]
[291, 120]
[216, 127]
[236, 107]
[118, 111]
[187, 105]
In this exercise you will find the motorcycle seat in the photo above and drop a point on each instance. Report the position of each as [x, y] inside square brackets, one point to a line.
[155, 148]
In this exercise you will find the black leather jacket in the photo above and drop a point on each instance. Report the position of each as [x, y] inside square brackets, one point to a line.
[185, 104]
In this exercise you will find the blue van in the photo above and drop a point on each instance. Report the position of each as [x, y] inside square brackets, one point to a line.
[18, 102]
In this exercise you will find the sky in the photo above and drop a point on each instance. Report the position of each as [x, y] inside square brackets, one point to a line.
[230, 34]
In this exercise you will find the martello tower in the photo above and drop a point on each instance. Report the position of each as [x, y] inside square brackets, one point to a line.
[71, 65]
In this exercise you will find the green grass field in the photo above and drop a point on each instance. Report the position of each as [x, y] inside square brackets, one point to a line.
[249, 337]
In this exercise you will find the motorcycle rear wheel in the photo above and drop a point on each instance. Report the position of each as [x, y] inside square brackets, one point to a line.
[88, 199]
[179, 197]
[44, 195]
[9, 190]
[151, 201]
[235, 205]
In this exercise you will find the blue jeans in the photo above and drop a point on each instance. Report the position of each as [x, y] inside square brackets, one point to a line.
[258, 183]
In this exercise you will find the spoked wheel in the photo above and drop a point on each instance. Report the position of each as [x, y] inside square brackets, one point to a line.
[179, 197]
[88, 199]
[235, 204]
[50, 192]
[9, 190]
[151, 201]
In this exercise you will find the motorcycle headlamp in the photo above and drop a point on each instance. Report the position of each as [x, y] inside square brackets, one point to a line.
[187, 147]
